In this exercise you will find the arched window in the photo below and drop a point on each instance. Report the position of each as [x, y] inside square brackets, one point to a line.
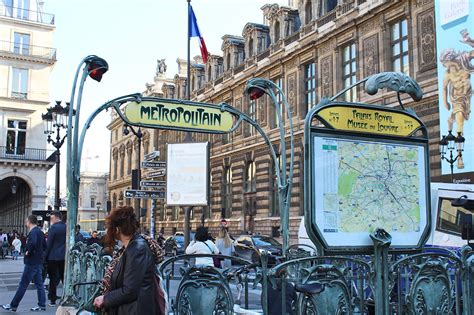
[251, 47]
[129, 160]
[115, 166]
[308, 12]
[276, 31]
[250, 177]
[227, 192]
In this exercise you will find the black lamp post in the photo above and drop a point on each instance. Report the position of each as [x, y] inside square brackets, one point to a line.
[451, 143]
[55, 119]
[98, 204]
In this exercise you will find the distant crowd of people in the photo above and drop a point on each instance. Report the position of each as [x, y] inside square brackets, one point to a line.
[12, 244]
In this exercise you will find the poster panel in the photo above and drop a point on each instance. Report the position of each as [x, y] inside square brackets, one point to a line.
[187, 174]
[455, 56]
[361, 184]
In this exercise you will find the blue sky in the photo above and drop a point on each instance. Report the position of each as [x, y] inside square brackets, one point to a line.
[131, 36]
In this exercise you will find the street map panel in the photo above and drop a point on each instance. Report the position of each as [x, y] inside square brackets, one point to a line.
[364, 185]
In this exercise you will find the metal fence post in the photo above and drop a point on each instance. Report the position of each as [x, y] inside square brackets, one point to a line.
[382, 241]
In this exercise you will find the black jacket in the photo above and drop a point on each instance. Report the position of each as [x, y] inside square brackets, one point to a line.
[133, 289]
[56, 242]
[35, 246]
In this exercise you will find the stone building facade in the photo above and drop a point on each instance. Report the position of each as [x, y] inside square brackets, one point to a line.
[92, 200]
[26, 61]
[311, 49]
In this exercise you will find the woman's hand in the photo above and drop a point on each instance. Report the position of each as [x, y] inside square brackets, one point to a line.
[99, 301]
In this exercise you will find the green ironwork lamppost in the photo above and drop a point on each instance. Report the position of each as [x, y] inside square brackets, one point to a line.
[55, 119]
[451, 143]
[93, 67]
[257, 88]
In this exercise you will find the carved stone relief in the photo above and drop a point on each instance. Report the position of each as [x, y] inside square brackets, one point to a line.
[327, 47]
[371, 55]
[291, 92]
[427, 45]
[326, 76]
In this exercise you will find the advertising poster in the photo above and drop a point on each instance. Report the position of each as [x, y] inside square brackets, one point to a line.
[187, 174]
[455, 53]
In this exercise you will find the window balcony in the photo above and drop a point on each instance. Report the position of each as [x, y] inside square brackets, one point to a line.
[19, 95]
[26, 15]
[12, 50]
[26, 154]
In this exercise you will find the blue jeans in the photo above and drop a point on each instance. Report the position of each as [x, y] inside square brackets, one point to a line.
[15, 254]
[31, 272]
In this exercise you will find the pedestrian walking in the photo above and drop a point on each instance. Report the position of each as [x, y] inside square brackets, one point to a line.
[16, 243]
[78, 237]
[3, 240]
[35, 246]
[225, 246]
[129, 286]
[55, 254]
[202, 245]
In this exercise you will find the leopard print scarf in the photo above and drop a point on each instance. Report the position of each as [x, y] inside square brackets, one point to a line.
[157, 251]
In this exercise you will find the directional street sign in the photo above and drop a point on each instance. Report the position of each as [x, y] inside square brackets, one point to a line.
[156, 164]
[157, 173]
[152, 155]
[144, 194]
[153, 183]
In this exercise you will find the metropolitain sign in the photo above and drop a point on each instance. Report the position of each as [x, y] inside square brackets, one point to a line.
[181, 116]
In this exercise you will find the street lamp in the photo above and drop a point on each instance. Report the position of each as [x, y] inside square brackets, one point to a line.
[94, 67]
[14, 186]
[55, 119]
[451, 143]
[98, 204]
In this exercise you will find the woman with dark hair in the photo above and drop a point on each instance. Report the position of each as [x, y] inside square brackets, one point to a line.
[129, 285]
[202, 245]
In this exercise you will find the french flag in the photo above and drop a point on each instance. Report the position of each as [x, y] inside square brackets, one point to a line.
[194, 32]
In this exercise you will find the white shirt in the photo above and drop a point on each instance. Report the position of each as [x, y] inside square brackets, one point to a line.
[17, 244]
[197, 247]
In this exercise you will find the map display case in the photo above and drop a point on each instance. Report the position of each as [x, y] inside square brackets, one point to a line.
[367, 168]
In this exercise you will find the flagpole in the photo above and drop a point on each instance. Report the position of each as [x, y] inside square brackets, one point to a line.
[188, 137]
[188, 79]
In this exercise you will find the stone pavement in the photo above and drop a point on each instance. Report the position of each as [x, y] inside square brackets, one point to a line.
[10, 274]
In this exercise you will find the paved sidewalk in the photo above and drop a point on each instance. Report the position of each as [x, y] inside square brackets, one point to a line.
[10, 275]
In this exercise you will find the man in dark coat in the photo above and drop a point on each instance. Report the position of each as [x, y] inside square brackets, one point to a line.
[55, 254]
[35, 246]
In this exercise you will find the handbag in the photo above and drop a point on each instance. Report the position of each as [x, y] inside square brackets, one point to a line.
[88, 305]
[215, 260]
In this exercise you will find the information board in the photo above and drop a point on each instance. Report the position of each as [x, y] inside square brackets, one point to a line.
[360, 184]
[188, 174]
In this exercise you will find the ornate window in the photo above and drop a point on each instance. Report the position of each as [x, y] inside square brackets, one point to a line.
[349, 68]
[399, 44]
[19, 83]
[122, 162]
[16, 137]
[227, 191]
[92, 201]
[309, 87]
[250, 177]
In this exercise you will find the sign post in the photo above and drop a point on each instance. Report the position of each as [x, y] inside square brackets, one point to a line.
[372, 172]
